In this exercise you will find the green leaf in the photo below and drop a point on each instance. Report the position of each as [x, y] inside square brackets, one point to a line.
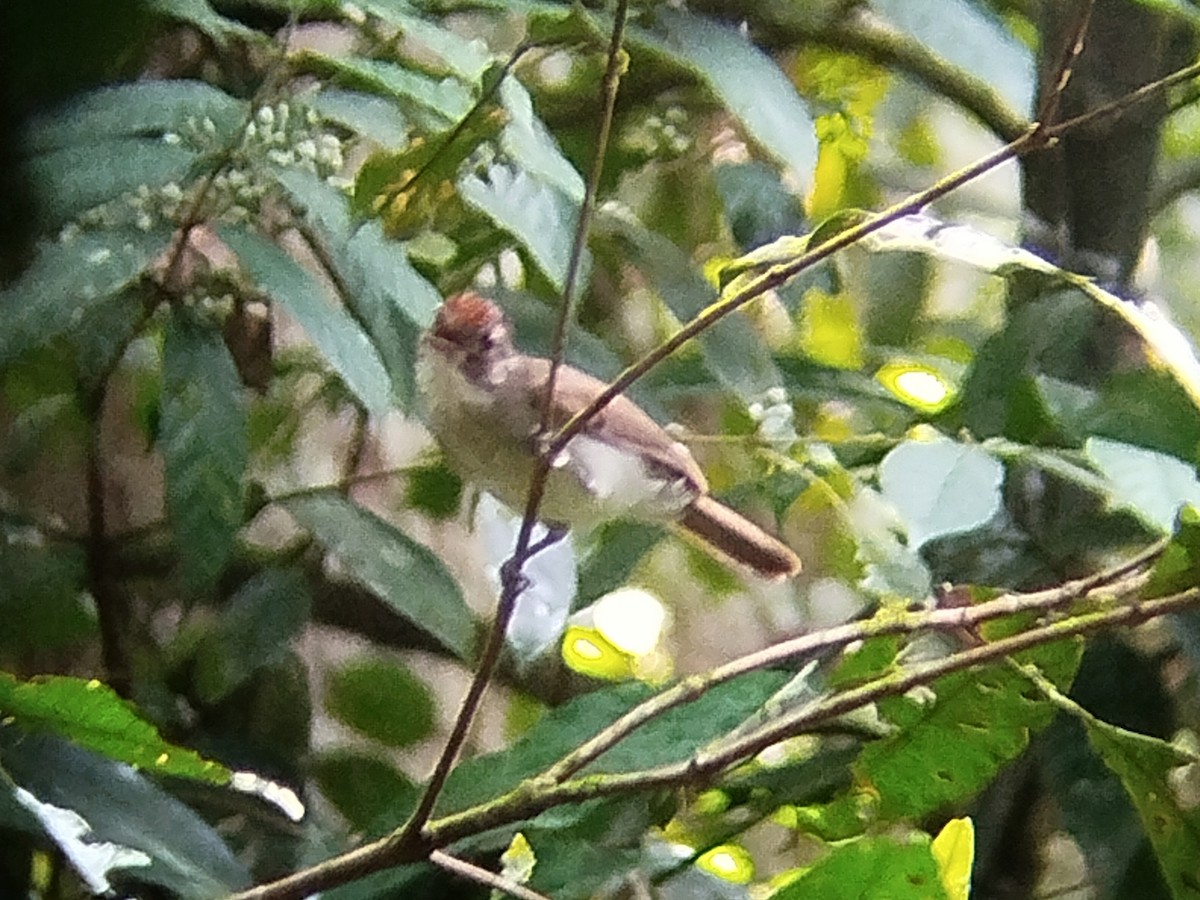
[91, 715]
[262, 617]
[669, 738]
[42, 600]
[538, 215]
[201, 14]
[465, 58]
[390, 564]
[1153, 486]
[529, 144]
[433, 489]
[1153, 773]
[941, 487]
[971, 39]
[949, 744]
[122, 807]
[732, 349]
[205, 446]
[337, 335]
[144, 108]
[1178, 569]
[747, 81]
[385, 293]
[383, 700]
[364, 788]
[435, 104]
[66, 280]
[616, 549]
[893, 868]
[369, 115]
[77, 178]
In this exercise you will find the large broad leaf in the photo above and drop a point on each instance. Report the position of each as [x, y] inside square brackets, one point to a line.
[91, 714]
[536, 213]
[123, 808]
[948, 745]
[335, 332]
[262, 617]
[205, 447]
[77, 178]
[669, 738]
[386, 294]
[1160, 779]
[1151, 485]
[748, 82]
[941, 487]
[893, 868]
[393, 566]
[144, 108]
[68, 278]
[967, 36]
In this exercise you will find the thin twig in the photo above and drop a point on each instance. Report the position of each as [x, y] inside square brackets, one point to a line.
[475, 873]
[1048, 111]
[950, 619]
[1036, 138]
[511, 579]
[535, 796]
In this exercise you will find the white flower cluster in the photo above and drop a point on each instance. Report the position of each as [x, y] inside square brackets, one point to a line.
[775, 418]
[274, 137]
[663, 136]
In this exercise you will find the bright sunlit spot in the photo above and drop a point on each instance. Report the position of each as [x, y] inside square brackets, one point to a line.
[917, 385]
[631, 619]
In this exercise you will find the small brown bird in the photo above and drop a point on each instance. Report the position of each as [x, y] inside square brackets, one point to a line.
[484, 402]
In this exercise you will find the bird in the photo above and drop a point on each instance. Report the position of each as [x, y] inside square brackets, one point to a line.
[483, 401]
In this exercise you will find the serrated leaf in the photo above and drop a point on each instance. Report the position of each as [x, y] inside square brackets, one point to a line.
[91, 715]
[1153, 772]
[336, 334]
[670, 738]
[262, 617]
[390, 564]
[949, 743]
[1151, 485]
[129, 110]
[205, 446]
[941, 487]
[66, 280]
[893, 868]
[187, 855]
[748, 82]
[382, 700]
[541, 217]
